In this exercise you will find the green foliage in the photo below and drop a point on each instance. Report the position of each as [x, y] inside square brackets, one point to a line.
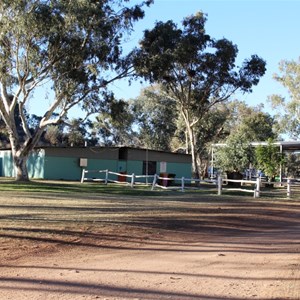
[114, 124]
[258, 126]
[155, 115]
[292, 165]
[53, 135]
[253, 122]
[236, 155]
[244, 125]
[269, 159]
[288, 108]
[72, 46]
[196, 70]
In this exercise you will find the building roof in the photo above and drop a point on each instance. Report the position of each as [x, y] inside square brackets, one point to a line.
[285, 145]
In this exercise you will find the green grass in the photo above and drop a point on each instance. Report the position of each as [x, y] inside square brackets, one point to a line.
[88, 188]
[64, 187]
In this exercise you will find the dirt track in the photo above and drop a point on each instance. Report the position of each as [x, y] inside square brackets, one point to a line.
[181, 247]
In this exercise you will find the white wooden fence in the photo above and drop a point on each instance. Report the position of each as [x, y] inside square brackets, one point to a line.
[257, 186]
[255, 191]
[182, 183]
[162, 182]
[134, 179]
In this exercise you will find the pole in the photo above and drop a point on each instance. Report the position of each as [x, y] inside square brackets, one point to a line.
[212, 163]
[106, 176]
[288, 192]
[220, 185]
[257, 188]
[147, 167]
[154, 182]
[82, 176]
[132, 180]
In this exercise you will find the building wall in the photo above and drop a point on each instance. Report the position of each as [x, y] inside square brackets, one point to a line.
[179, 169]
[151, 155]
[135, 166]
[83, 152]
[35, 164]
[7, 164]
[64, 163]
[68, 168]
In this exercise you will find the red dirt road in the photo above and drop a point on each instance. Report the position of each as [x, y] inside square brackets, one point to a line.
[183, 249]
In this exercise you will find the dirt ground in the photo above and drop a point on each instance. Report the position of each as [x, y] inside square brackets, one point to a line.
[174, 247]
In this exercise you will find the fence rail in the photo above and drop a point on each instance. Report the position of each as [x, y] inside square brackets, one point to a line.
[134, 179]
[182, 183]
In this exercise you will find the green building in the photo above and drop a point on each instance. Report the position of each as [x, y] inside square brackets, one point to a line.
[66, 163]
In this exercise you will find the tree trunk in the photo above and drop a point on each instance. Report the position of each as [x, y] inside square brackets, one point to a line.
[20, 162]
[195, 169]
[20, 153]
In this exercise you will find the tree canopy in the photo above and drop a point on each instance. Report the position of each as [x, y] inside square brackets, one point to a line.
[269, 159]
[288, 108]
[244, 125]
[196, 70]
[74, 46]
[156, 118]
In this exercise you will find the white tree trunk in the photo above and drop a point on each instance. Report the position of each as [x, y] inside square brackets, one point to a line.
[20, 163]
[195, 170]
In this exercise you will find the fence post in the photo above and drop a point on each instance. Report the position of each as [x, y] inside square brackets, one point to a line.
[106, 176]
[82, 175]
[182, 184]
[132, 180]
[288, 188]
[220, 185]
[154, 182]
[257, 188]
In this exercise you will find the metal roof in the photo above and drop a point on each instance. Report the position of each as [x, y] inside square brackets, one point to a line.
[285, 145]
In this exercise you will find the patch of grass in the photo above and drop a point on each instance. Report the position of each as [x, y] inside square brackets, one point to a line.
[64, 187]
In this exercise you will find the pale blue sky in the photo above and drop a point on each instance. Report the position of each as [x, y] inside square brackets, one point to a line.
[268, 28]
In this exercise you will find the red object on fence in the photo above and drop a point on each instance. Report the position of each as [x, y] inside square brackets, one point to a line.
[164, 182]
[122, 178]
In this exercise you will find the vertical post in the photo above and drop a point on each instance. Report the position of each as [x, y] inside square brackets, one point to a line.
[220, 185]
[212, 163]
[288, 188]
[182, 184]
[257, 188]
[154, 182]
[82, 175]
[132, 180]
[147, 165]
[280, 171]
[106, 176]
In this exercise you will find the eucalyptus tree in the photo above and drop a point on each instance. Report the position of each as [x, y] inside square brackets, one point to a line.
[72, 46]
[288, 107]
[196, 70]
[236, 155]
[156, 117]
[269, 159]
[113, 125]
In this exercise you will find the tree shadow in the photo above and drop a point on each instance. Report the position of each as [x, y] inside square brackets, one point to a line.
[15, 284]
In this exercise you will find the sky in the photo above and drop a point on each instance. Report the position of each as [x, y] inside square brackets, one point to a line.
[268, 28]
